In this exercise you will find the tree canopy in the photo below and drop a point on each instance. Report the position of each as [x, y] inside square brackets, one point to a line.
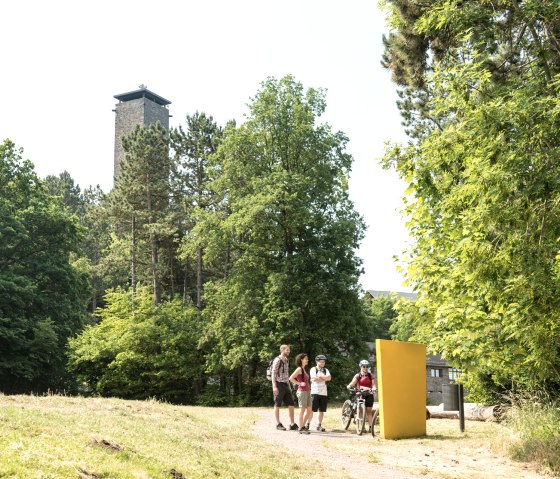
[43, 294]
[482, 170]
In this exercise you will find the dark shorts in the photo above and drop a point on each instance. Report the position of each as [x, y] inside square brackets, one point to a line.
[284, 395]
[369, 400]
[318, 403]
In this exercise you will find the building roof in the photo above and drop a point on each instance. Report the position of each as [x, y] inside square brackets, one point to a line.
[142, 93]
[436, 360]
[391, 294]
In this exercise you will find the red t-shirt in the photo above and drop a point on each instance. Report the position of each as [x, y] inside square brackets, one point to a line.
[305, 379]
[365, 381]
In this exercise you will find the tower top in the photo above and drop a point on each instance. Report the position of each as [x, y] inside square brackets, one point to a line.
[143, 92]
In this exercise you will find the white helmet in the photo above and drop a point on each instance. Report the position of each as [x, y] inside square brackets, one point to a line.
[364, 362]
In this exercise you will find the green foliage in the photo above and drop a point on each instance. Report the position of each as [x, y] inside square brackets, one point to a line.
[139, 349]
[193, 198]
[290, 230]
[380, 315]
[42, 295]
[138, 208]
[483, 193]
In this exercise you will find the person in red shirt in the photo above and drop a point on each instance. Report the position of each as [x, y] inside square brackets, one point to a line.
[365, 381]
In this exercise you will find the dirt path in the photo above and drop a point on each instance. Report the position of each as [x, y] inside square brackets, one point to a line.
[441, 454]
[354, 465]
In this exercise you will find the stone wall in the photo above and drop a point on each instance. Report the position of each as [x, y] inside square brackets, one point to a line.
[128, 114]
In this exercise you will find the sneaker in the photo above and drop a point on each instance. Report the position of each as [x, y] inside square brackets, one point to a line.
[293, 427]
[280, 427]
[321, 429]
[304, 430]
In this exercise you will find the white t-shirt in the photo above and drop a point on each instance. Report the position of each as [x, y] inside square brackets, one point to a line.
[319, 387]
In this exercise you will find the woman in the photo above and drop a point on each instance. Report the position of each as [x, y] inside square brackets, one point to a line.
[300, 379]
[364, 379]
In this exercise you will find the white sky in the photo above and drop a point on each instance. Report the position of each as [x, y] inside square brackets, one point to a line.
[63, 60]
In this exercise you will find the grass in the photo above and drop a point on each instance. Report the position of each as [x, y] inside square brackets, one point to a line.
[68, 437]
[535, 433]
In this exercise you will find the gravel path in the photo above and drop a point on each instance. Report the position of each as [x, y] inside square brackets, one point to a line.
[355, 466]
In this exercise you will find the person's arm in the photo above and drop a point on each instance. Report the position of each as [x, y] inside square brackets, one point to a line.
[313, 375]
[275, 366]
[353, 382]
[327, 376]
[294, 375]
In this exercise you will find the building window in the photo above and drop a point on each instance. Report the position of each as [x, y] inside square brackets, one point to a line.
[454, 374]
[436, 373]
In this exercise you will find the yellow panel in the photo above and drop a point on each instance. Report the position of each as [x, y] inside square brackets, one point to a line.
[401, 377]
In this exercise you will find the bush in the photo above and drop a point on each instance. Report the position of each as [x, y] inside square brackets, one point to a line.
[536, 427]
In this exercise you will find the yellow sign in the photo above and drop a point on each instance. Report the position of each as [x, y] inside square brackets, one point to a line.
[401, 378]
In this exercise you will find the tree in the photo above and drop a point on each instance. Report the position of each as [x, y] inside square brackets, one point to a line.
[192, 193]
[139, 349]
[43, 294]
[483, 189]
[291, 230]
[139, 205]
[95, 240]
[380, 314]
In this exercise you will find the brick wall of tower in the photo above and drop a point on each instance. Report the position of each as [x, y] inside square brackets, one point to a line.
[129, 114]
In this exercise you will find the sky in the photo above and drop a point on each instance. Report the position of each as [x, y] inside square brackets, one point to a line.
[65, 60]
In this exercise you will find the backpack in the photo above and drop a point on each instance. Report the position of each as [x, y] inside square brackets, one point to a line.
[269, 371]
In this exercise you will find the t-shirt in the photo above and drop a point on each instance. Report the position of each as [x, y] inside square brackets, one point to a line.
[305, 379]
[319, 387]
[364, 380]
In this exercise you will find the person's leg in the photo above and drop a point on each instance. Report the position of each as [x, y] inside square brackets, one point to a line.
[277, 404]
[291, 414]
[308, 416]
[322, 403]
[369, 415]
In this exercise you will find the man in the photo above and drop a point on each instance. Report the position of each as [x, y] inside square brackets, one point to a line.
[281, 388]
[319, 378]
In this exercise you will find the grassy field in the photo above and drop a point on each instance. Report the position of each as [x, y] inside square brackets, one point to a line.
[67, 437]
[64, 437]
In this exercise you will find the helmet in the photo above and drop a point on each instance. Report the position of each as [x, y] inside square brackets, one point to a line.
[364, 362]
[320, 357]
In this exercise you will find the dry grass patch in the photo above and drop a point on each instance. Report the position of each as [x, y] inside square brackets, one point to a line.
[63, 437]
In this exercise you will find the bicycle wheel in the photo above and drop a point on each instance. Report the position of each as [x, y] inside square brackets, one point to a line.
[346, 415]
[374, 419]
[360, 418]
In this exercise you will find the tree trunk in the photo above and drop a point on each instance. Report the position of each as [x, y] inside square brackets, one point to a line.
[199, 282]
[134, 247]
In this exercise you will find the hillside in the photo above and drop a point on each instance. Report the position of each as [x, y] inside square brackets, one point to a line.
[66, 437]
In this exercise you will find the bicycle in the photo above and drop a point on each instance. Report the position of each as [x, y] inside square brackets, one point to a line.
[355, 408]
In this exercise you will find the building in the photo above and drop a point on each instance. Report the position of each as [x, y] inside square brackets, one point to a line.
[138, 107]
[391, 294]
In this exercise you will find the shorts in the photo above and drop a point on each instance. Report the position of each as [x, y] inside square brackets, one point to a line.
[318, 403]
[284, 395]
[304, 399]
[369, 400]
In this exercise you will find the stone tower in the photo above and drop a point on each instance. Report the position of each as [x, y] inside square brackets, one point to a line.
[138, 107]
